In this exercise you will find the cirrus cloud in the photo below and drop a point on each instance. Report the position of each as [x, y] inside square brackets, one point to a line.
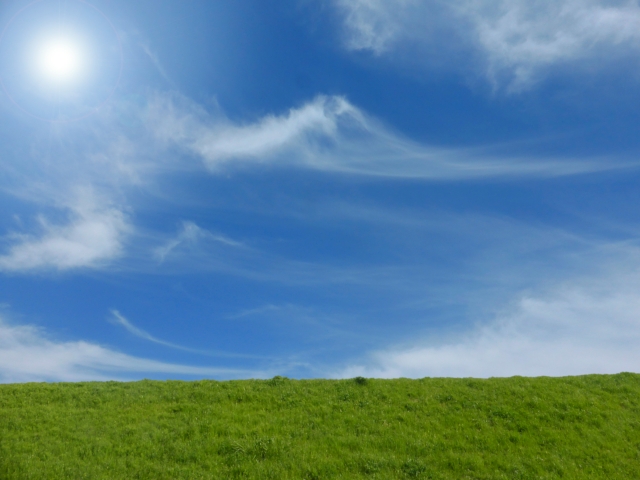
[330, 134]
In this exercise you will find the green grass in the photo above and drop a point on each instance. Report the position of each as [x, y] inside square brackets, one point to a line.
[520, 428]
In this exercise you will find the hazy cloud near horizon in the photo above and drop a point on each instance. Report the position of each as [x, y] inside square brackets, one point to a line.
[28, 355]
[578, 327]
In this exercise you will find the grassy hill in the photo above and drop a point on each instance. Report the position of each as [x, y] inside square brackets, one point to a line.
[516, 428]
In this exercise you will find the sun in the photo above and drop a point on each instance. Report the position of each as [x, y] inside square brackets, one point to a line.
[60, 60]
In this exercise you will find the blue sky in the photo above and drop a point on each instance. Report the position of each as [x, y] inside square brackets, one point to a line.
[319, 188]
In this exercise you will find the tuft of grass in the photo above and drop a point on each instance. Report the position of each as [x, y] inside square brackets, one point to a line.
[360, 380]
[514, 428]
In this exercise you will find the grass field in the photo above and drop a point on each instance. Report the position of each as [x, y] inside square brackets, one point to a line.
[517, 428]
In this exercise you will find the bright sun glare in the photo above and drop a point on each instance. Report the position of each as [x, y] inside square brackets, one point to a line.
[60, 60]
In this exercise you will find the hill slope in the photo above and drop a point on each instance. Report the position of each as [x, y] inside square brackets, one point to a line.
[574, 427]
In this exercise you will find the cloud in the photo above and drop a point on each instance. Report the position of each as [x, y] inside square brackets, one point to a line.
[579, 328]
[516, 40]
[27, 355]
[326, 134]
[375, 24]
[119, 319]
[156, 62]
[92, 237]
[218, 141]
[330, 134]
[191, 234]
[522, 37]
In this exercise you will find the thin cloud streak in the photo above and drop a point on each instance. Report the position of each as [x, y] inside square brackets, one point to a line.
[495, 258]
[330, 134]
[191, 234]
[119, 319]
[156, 62]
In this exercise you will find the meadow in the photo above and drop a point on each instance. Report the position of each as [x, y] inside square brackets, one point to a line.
[508, 428]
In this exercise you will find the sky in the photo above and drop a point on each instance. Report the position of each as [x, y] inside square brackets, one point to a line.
[318, 188]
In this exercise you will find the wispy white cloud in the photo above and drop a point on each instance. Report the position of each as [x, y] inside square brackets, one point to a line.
[93, 236]
[264, 310]
[517, 40]
[326, 134]
[191, 234]
[578, 328]
[495, 253]
[217, 140]
[377, 24]
[156, 62]
[325, 324]
[331, 134]
[119, 319]
[27, 355]
[523, 38]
